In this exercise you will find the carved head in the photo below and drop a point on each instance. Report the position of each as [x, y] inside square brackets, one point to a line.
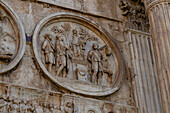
[95, 46]
[2, 15]
[108, 51]
[69, 107]
[74, 32]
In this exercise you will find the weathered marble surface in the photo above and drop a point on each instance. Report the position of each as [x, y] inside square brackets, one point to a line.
[28, 73]
[94, 7]
[29, 100]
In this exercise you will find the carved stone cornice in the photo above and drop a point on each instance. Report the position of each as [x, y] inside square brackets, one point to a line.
[154, 3]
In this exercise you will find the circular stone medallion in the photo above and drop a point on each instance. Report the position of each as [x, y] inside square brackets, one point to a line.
[78, 55]
[12, 38]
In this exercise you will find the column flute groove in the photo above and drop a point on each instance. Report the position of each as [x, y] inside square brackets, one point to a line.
[159, 17]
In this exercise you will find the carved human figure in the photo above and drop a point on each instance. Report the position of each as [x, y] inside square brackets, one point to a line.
[30, 107]
[95, 58]
[14, 106]
[56, 109]
[82, 43]
[69, 107]
[46, 108]
[33, 107]
[39, 108]
[9, 103]
[61, 50]
[106, 53]
[48, 49]
[23, 106]
[75, 44]
[3, 104]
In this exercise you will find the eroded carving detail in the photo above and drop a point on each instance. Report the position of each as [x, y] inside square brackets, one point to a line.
[134, 10]
[14, 99]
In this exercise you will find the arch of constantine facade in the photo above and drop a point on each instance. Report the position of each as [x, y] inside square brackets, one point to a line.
[84, 56]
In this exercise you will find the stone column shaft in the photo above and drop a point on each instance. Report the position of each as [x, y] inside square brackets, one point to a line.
[159, 17]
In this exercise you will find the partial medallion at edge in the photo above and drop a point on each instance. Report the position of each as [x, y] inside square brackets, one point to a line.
[12, 38]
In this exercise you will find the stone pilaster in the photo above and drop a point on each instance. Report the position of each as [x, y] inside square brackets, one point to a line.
[159, 17]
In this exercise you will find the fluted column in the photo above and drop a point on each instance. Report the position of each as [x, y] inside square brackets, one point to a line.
[159, 17]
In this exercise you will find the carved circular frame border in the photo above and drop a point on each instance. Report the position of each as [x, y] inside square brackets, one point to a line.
[22, 38]
[119, 77]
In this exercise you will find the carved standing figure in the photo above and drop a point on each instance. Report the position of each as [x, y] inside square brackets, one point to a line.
[23, 106]
[39, 108]
[15, 106]
[82, 42]
[48, 49]
[106, 53]
[75, 44]
[61, 50]
[95, 58]
[3, 104]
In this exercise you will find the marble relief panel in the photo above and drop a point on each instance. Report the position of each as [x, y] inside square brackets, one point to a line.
[77, 55]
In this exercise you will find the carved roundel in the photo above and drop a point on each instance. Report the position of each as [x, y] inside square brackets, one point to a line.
[12, 38]
[78, 55]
